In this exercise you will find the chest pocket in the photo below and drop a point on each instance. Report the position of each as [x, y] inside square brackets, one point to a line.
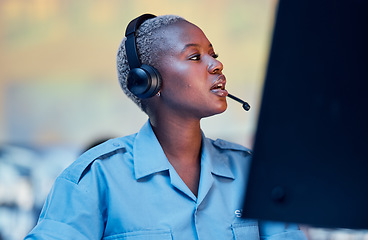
[142, 235]
[245, 230]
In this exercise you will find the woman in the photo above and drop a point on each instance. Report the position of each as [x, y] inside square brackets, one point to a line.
[168, 181]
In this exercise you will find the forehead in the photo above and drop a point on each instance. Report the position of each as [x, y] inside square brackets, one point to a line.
[180, 34]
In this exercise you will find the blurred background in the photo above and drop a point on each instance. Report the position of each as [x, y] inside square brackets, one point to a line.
[59, 92]
[58, 66]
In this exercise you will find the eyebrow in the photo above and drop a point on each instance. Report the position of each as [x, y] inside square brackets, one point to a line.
[192, 45]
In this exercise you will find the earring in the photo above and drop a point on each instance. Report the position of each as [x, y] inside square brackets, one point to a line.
[158, 94]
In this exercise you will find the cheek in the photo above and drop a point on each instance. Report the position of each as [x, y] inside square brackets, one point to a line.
[176, 75]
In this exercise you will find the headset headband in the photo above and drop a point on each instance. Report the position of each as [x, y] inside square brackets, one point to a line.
[130, 43]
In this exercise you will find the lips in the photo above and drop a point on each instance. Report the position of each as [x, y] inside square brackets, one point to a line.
[218, 86]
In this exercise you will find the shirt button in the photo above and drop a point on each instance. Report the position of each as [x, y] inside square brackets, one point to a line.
[116, 144]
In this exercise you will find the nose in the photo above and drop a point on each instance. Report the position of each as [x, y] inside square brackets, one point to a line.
[215, 66]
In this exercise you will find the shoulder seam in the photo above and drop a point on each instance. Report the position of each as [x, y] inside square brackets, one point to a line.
[223, 144]
[75, 172]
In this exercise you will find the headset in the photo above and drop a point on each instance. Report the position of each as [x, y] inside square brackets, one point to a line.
[143, 81]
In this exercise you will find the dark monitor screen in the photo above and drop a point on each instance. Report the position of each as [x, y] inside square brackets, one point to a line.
[310, 162]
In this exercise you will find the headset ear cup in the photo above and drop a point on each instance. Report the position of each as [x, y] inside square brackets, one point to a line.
[144, 82]
[156, 80]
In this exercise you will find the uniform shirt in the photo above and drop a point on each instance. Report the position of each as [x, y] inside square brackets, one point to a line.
[126, 189]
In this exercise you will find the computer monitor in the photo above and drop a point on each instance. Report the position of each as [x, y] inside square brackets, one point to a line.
[310, 162]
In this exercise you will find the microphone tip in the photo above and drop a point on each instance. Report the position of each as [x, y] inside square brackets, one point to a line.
[246, 106]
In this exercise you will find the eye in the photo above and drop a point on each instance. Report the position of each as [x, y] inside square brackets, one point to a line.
[214, 55]
[195, 57]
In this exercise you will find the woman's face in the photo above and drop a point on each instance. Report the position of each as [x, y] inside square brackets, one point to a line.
[193, 83]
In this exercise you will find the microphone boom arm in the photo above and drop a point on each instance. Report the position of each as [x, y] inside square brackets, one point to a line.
[246, 106]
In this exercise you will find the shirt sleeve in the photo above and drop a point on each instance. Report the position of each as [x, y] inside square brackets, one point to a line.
[269, 230]
[50, 229]
[71, 211]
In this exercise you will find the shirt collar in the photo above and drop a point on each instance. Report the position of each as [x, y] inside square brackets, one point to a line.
[150, 158]
[217, 161]
[148, 155]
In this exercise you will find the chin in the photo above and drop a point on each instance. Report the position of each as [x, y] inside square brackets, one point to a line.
[218, 110]
[223, 107]
[222, 110]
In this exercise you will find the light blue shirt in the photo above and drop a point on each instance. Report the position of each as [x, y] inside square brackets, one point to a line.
[126, 189]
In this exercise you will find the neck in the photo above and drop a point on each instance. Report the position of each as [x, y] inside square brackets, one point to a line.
[181, 142]
[180, 139]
